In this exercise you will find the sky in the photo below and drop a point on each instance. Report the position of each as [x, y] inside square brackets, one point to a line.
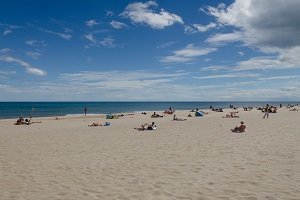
[204, 50]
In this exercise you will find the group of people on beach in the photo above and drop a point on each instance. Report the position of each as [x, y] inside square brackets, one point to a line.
[152, 126]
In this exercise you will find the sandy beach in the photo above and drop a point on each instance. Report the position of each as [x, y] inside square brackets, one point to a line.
[195, 159]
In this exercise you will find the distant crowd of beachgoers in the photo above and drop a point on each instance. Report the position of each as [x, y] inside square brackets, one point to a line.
[266, 110]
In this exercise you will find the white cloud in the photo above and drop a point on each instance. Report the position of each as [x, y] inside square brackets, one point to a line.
[61, 35]
[90, 37]
[233, 75]
[34, 55]
[118, 25]
[273, 27]
[7, 31]
[187, 54]
[91, 23]
[29, 69]
[36, 43]
[7, 72]
[225, 38]
[109, 13]
[8, 28]
[120, 80]
[241, 53]
[144, 13]
[263, 24]
[106, 42]
[165, 45]
[279, 78]
[5, 50]
[284, 60]
[199, 28]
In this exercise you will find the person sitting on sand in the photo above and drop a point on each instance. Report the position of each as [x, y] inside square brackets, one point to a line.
[239, 129]
[156, 115]
[20, 120]
[178, 119]
[189, 115]
[169, 111]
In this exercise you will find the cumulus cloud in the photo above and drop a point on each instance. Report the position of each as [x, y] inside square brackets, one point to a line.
[91, 23]
[272, 27]
[187, 54]
[29, 69]
[263, 24]
[118, 25]
[145, 13]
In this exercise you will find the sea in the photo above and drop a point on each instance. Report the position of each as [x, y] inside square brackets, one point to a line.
[9, 110]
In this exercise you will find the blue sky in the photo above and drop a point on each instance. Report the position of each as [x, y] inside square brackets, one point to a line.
[243, 50]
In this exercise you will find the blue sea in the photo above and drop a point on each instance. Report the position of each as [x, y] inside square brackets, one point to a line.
[44, 109]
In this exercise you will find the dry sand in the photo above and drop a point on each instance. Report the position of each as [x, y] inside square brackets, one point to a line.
[195, 159]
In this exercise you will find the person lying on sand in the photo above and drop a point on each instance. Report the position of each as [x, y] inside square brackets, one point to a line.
[97, 124]
[21, 121]
[147, 126]
[294, 109]
[178, 119]
[239, 129]
[231, 115]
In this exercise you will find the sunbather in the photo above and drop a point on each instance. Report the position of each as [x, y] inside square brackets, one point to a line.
[231, 115]
[239, 129]
[178, 119]
[155, 115]
[147, 126]
[97, 124]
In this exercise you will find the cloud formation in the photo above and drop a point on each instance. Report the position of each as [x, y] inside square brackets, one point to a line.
[264, 24]
[36, 43]
[65, 36]
[105, 42]
[144, 13]
[187, 54]
[118, 25]
[29, 69]
[34, 55]
[195, 28]
[91, 23]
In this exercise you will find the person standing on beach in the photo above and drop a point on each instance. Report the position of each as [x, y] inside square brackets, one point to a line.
[85, 110]
[267, 110]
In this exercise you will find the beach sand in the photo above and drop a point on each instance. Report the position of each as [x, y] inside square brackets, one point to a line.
[195, 159]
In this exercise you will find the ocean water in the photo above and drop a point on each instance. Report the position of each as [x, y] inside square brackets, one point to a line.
[43, 109]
